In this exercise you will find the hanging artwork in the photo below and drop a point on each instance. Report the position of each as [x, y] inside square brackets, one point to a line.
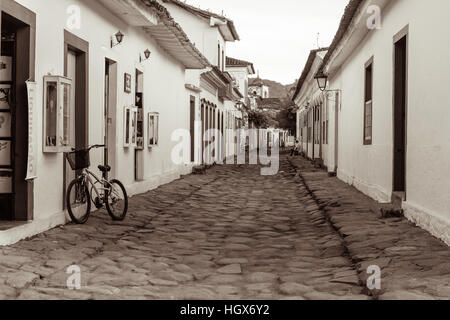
[134, 117]
[5, 153]
[5, 181]
[127, 83]
[5, 124]
[5, 96]
[153, 128]
[5, 68]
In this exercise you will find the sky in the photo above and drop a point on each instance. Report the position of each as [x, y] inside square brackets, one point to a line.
[277, 35]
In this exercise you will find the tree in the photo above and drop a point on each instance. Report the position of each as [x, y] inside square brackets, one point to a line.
[259, 119]
[287, 118]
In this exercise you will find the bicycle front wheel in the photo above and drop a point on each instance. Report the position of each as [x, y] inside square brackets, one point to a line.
[116, 200]
[78, 201]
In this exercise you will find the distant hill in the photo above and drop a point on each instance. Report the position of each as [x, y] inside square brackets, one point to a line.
[278, 90]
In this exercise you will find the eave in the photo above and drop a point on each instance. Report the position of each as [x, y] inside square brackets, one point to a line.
[350, 35]
[215, 78]
[225, 25]
[159, 24]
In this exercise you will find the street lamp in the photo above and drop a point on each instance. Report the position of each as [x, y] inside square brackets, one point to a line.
[147, 54]
[322, 81]
[119, 38]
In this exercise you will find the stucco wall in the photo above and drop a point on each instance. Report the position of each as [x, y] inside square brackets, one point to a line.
[164, 92]
[428, 148]
[199, 31]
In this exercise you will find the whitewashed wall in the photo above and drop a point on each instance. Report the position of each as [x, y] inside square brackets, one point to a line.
[164, 92]
[370, 168]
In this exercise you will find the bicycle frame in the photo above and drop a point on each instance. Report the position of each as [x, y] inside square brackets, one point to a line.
[87, 174]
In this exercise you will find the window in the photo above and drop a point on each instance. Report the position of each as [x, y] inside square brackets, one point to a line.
[218, 56]
[317, 125]
[325, 121]
[223, 60]
[368, 119]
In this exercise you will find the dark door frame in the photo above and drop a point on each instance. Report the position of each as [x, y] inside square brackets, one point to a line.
[81, 47]
[23, 207]
[403, 34]
[192, 105]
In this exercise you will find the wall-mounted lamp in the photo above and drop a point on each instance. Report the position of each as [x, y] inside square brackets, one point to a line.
[322, 81]
[147, 54]
[118, 37]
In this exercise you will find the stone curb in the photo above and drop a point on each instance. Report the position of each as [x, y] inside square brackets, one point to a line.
[414, 264]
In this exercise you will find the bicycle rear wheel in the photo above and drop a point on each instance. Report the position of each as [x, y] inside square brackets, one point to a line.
[78, 201]
[116, 200]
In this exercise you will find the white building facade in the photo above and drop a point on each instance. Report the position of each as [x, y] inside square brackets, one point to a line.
[210, 33]
[313, 112]
[119, 97]
[392, 118]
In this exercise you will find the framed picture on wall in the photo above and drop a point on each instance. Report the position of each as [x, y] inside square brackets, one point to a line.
[133, 126]
[127, 127]
[5, 96]
[5, 68]
[6, 181]
[5, 153]
[5, 124]
[153, 129]
[127, 83]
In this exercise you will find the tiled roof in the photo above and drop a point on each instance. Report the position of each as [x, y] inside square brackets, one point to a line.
[306, 70]
[346, 20]
[206, 14]
[232, 62]
[237, 62]
[170, 36]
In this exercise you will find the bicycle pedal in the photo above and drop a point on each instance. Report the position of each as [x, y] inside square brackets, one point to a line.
[98, 203]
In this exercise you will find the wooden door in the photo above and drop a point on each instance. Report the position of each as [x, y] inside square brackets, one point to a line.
[192, 127]
[400, 88]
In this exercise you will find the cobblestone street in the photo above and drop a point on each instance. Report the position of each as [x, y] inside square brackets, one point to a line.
[228, 234]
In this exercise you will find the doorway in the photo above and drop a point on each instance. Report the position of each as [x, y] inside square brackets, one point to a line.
[400, 113]
[192, 127]
[109, 157]
[76, 67]
[17, 56]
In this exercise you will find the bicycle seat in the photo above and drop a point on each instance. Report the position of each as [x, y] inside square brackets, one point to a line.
[104, 168]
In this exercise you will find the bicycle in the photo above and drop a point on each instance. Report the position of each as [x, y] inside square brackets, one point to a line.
[79, 197]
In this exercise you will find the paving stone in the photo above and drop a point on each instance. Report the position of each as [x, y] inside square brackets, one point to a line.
[20, 279]
[405, 295]
[259, 277]
[212, 237]
[231, 269]
[161, 282]
[294, 289]
[227, 261]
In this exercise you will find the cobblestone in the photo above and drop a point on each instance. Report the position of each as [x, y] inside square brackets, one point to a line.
[228, 234]
[414, 264]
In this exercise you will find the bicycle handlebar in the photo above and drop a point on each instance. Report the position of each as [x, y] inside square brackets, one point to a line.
[95, 146]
